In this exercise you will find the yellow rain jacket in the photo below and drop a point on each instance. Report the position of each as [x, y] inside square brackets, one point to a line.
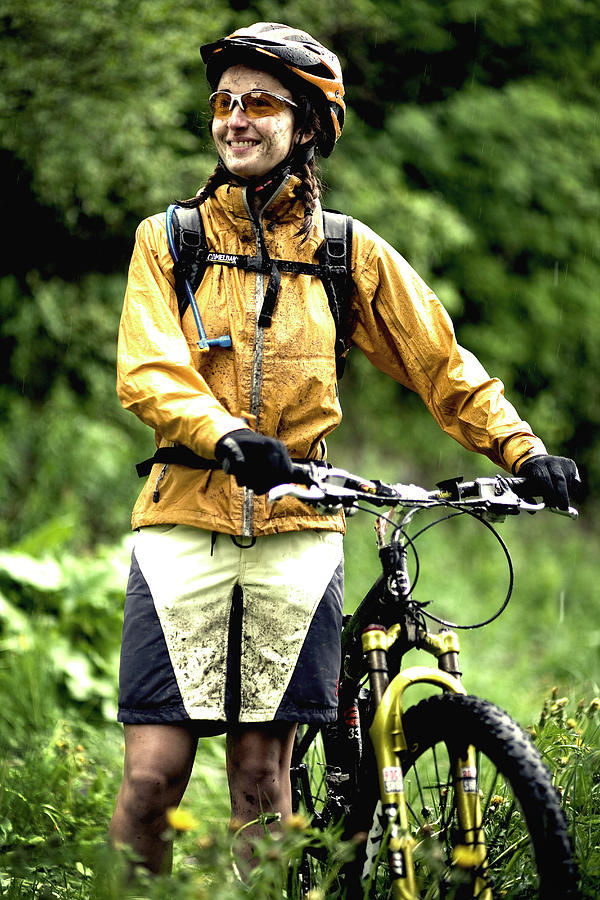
[281, 380]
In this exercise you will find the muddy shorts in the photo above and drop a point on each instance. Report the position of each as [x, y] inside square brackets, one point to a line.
[221, 634]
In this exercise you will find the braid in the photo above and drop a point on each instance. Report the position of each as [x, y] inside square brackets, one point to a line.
[308, 193]
[217, 178]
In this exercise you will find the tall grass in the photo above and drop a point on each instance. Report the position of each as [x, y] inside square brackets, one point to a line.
[60, 773]
[61, 754]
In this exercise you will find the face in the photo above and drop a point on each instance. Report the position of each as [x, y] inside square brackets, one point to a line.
[252, 147]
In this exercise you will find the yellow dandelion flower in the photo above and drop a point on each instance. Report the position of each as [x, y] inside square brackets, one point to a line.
[572, 724]
[297, 822]
[181, 820]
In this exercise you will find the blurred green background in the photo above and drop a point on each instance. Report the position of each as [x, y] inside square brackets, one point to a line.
[472, 145]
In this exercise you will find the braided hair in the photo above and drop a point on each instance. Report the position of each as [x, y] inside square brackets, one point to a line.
[309, 194]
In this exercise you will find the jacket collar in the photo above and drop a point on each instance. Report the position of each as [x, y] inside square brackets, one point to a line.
[283, 208]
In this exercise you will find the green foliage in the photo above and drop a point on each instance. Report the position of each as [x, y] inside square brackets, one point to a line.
[568, 736]
[66, 447]
[107, 86]
[68, 610]
[471, 145]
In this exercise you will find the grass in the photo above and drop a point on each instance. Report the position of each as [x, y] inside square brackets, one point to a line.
[61, 754]
[60, 774]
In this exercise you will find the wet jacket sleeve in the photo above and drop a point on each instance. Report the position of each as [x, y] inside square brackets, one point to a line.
[404, 330]
[155, 376]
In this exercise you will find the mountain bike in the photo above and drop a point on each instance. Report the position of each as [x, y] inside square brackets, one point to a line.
[447, 798]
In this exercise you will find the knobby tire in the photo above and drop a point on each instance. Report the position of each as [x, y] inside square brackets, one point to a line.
[529, 852]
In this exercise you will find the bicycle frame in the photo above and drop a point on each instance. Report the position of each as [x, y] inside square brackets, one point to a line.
[387, 734]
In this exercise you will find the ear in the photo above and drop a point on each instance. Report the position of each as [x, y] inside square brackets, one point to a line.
[307, 135]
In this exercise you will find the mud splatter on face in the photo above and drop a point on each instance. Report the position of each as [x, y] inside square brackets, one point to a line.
[252, 147]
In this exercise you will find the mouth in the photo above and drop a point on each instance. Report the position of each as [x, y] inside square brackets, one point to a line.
[242, 145]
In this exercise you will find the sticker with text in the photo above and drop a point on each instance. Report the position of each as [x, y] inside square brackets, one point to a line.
[393, 782]
[468, 776]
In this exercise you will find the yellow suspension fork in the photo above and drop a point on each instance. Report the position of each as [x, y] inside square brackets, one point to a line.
[388, 739]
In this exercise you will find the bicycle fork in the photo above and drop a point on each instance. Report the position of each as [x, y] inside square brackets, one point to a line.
[388, 740]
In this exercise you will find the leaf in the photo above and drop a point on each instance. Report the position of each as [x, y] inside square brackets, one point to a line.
[43, 574]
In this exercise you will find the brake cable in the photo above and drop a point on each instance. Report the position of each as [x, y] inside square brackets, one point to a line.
[410, 540]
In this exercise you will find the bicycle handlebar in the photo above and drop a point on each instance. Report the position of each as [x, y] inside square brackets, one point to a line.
[330, 489]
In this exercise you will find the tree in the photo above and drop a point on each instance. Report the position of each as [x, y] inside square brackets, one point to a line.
[471, 145]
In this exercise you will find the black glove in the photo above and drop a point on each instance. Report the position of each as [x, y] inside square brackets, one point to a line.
[257, 461]
[551, 477]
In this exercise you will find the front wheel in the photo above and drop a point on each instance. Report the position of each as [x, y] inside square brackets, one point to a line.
[527, 847]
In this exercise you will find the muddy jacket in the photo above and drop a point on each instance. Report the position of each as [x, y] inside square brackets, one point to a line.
[281, 380]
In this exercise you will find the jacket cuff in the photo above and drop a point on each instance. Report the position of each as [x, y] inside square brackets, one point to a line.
[217, 430]
[518, 449]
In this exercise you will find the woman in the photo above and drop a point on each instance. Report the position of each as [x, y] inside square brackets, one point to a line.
[233, 607]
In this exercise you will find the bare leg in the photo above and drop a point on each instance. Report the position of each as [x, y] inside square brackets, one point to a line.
[258, 769]
[158, 764]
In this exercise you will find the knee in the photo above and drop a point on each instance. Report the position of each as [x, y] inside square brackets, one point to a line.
[258, 763]
[257, 771]
[145, 794]
[255, 775]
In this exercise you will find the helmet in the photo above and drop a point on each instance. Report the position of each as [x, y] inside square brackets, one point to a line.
[295, 58]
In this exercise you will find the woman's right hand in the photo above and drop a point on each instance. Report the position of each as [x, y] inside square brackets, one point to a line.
[257, 461]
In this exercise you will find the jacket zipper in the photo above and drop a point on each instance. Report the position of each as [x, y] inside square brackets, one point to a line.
[257, 357]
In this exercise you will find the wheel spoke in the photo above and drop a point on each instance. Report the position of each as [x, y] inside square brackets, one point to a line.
[527, 854]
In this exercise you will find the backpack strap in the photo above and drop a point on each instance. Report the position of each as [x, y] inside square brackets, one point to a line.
[191, 256]
[336, 258]
[189, 250]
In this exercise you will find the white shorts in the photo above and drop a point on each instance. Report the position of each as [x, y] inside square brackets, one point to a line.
[217, 633]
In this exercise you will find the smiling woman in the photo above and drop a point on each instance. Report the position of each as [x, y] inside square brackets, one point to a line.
[251, 145]
[233, 609]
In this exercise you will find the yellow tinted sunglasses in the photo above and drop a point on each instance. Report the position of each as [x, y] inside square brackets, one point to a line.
[255, 104]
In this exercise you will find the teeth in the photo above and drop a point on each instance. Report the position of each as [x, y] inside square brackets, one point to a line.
[242, 143]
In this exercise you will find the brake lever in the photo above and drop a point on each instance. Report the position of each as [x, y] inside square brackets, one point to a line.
[571, 512]
[312, 494]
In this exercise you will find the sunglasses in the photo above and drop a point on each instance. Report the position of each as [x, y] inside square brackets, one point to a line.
[255, 104]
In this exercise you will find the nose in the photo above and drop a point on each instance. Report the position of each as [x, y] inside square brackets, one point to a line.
[238, 118]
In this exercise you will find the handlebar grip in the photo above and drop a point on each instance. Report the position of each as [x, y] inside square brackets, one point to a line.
[519, 486]
[303, 473]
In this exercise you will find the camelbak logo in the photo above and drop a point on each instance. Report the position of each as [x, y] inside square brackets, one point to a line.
[226, 258]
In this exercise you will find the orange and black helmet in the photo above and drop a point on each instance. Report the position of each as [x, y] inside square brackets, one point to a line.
[297, 59]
